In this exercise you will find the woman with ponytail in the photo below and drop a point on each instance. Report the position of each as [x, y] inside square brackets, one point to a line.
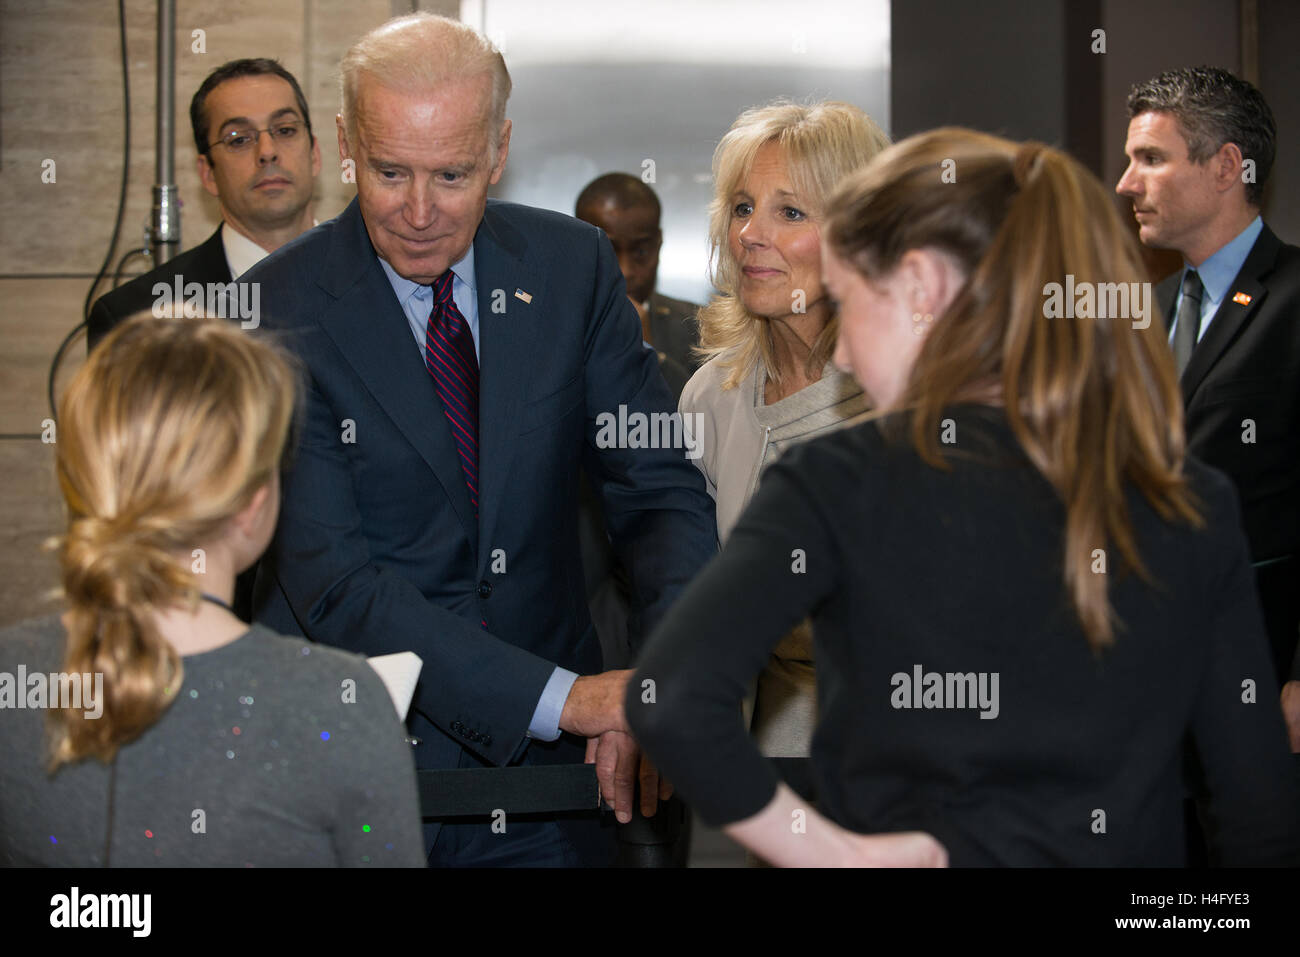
[191, 739]
[1025, 598]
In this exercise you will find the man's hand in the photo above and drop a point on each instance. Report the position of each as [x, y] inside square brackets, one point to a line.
[619, 764]
[1291, 711]
[595, 704]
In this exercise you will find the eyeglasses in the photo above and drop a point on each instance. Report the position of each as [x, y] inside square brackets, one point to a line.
[237, 141]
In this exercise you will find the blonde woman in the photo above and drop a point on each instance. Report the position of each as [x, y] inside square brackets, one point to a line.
[769, 382]
[1026, 598]
[192, 739]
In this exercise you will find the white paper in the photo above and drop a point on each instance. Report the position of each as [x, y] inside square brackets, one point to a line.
[399, 672]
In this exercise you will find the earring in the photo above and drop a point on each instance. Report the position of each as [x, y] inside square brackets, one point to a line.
[917, 318]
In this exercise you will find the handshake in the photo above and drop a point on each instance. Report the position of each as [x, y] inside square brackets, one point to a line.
[594, 709]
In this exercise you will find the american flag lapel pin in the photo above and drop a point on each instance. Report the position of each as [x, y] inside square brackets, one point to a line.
[525, 296]
[1241, 299]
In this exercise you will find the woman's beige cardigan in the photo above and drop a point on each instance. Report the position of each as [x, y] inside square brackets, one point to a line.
[741, 436]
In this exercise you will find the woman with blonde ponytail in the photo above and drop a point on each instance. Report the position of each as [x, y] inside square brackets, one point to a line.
[1025, 598]
[155, 727]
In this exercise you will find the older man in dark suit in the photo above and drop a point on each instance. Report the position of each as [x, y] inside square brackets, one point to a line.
[459, 353]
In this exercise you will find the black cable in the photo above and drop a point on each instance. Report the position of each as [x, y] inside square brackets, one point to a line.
[121, 207]
[127, 257]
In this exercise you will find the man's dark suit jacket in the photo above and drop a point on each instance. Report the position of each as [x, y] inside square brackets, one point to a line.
[674, 331]
[378, 548]
[204, 263]
[1247, 367]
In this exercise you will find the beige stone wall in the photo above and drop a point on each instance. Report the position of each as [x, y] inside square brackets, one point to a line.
[60, 100]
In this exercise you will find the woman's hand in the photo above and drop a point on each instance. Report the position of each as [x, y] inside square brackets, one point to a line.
[790, 833]
[904, 849]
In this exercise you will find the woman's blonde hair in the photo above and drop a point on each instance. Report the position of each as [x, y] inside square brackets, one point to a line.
[822, 143]
[1094, 402]
[165, 434]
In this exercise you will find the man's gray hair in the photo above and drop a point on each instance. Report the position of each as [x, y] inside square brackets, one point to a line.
[421, 52]
[1212, 108]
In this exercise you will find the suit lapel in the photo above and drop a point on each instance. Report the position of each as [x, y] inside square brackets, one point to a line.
[508, 346]
[1233, 314]
[210, 259]
[368, 326]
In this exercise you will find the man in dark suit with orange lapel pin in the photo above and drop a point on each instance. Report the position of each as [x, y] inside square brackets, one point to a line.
[1200, 147]
[458, 353]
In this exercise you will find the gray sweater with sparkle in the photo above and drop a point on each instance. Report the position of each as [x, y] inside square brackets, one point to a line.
[263, 759]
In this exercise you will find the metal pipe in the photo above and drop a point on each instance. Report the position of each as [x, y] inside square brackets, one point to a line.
[165, 220]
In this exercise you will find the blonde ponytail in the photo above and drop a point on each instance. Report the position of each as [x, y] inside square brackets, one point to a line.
[164, 435]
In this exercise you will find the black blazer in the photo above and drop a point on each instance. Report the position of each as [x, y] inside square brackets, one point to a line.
[1244, 372]
[204, 263]
[912, 571]
[675, 331]
[378, 547]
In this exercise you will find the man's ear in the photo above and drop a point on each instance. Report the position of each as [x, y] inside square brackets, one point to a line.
[659, 241]
[1228, 163]
[345, 153]
[315, 157]
[502, 151]
[206, 176]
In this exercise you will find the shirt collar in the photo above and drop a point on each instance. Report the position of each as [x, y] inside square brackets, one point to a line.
[463, 269]
[242, 254]
[1218, 272]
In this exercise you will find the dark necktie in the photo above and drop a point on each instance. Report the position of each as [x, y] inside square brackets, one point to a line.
[1189, 320]
[449, 357]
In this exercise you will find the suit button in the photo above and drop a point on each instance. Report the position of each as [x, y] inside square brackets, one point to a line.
[487, 739]
[484, 589]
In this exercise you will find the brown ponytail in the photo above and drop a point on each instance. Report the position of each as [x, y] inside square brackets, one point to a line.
[164, 435]
[1093, 402]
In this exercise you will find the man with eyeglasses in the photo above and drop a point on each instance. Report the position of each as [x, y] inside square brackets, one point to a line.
[258, 157]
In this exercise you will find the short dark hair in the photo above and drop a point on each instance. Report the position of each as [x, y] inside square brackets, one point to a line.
[624, 190]
[258, 66]
[1213, 107]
